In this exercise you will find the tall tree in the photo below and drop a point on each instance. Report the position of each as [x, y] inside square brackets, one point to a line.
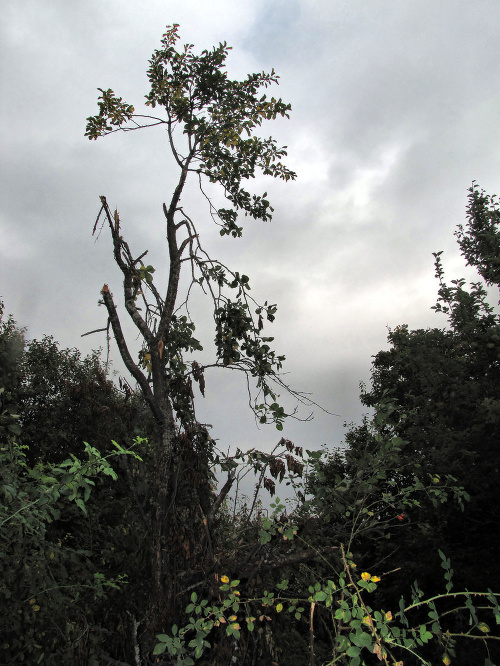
[440, 390]
[211, 124]
[446, 385]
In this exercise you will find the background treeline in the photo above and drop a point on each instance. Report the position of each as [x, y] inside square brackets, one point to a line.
[419, 476]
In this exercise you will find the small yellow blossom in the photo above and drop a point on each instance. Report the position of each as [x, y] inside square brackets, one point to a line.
[365, 575]
[368, 620]
[446, 660]
[375, 579]
[388, 616]
[236, 626]
[232, 618]
[32, 601]
[36, 608]
[236, 593]
[224, 579]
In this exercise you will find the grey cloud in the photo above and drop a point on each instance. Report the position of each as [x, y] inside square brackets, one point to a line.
[395, 111]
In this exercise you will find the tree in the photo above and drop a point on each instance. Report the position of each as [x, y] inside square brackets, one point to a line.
[215, 118]
[443, 384]
[446, 382]
[65, 399]
[480, 241]
[58, 577]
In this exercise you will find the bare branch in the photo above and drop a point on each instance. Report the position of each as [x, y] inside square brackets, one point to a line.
[97, 330]
[127, 267]
[125, 354]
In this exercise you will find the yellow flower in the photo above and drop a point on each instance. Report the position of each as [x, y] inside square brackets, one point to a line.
[32, 601]
[36, 608]
[367, 620]
[375, 579]
[236, 626]
[388, 616]
[232, 618]
[236, 593]
[446, 660]
[224, 579]
[365, 575]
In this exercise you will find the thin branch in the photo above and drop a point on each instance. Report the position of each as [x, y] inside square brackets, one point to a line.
[97, 330]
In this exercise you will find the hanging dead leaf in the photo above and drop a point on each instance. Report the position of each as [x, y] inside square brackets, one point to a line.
[277, 468]
[270, 485]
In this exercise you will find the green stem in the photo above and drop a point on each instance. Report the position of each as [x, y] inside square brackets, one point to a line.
[446, 595]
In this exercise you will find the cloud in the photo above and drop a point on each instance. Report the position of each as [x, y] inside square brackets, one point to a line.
[395, 112]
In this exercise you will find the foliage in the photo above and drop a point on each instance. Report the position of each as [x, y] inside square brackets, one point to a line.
[50, 588]
[445, 386]
[65, 398]
[69, 525]
[479, 241]
[339, 526]
[357, 629]
[363, 508]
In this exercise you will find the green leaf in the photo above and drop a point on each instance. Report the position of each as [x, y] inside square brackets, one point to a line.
[362, 640]
[80, 503]
[159, 648]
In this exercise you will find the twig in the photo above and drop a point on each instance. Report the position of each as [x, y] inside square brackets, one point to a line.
[97, 330]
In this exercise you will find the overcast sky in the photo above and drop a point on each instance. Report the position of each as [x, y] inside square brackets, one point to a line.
[395, 111]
